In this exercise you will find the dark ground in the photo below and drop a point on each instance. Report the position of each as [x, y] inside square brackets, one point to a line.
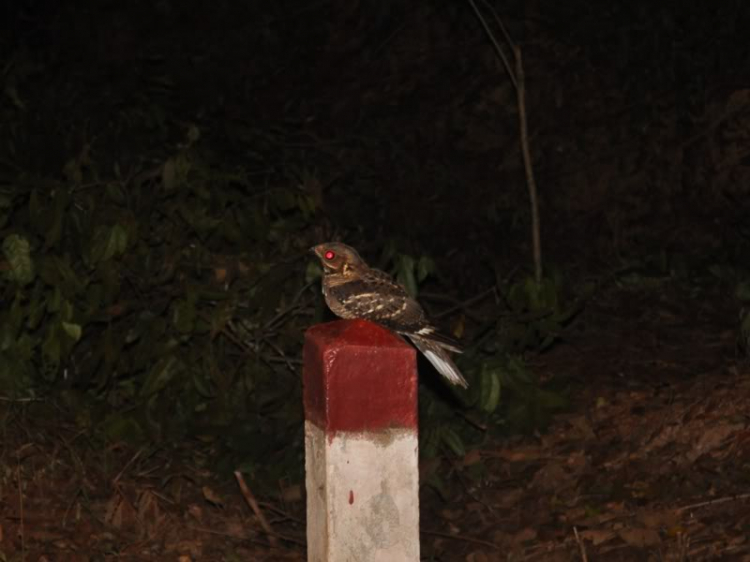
[405, 129]
[650, 463]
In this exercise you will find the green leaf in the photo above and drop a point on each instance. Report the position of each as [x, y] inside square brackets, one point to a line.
[389, 251]
[743, 291]
[66, 310]
[306, 204]
[222, 315]
[118, 427]
[283, 199]
[429, 442]
[745, 327]
[438, 484]
[551, 400]
[54, 232]
[175, 172]
[10, 323]
[36, 214]
[160, 375]
[94, 299]
[109, 274]
[112, 244]
[36, 308]
[73, 330]
[115, 193]
[490, 390]
[517, 297]
[405, 274]
[51, 352]
[54, 300]
[11, 91]
[6, 201]
[193, 134]
[111, 348]
[183, 316]
[169, 175]
[425, 267]
[202, 386]
[17, 251]
[99, 244]
[453, 441]
[57, 272]
[313, 271]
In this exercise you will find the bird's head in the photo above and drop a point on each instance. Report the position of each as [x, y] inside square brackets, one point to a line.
[338, 258]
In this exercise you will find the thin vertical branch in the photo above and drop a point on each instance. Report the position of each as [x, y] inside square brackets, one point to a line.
[528, 167]
[517, 78]
[581, 545]
[498, 50]
[21, 520]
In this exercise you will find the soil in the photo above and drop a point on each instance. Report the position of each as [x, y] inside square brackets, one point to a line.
[650, 462]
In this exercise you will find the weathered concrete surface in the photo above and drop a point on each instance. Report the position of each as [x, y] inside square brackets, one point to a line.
[362, 497]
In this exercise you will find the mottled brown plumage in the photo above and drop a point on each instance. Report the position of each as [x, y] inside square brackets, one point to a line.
[354, 290]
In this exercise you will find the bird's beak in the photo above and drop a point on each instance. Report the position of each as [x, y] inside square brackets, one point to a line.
[314, 250]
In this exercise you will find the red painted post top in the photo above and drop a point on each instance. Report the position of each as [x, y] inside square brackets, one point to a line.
[358, 376]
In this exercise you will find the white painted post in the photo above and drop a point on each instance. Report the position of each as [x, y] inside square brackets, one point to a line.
[360, 393]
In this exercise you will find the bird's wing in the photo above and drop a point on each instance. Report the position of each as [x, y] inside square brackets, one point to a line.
[405, 315]
[380, 301]
[399, 311]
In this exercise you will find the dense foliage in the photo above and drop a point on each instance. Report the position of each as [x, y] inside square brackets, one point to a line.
[171, 303]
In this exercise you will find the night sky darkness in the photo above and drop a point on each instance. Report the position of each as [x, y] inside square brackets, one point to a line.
[408, 117]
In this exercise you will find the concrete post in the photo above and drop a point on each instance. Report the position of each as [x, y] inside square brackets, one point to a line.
[360, 394]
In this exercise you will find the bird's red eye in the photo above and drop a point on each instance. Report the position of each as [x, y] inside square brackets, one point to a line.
[329, 255]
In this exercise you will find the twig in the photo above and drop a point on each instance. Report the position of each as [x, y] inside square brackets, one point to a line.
[548, 546]
[499, 22]
[280, 536]
[250, 499]
[254, 349]
[581, 545]
[491, 36]
[21, 531]
[286, 360]
[278, 350]
[248, 349]
[462, 305]
[278, 511]
[286, 310]
[518, 80]
[460, 538]
[528, 167]
[468, 419]
[138, 453]
[683, 547]
[713, 502]
[229, 331]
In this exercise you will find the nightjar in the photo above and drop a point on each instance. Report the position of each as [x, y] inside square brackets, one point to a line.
[354, 290]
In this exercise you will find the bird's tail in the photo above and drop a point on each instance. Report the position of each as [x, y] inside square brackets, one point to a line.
[436, 352]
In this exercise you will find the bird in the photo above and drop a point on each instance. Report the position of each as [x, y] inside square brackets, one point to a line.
[352, 289]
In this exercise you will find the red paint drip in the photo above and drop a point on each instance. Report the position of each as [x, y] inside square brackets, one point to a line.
[351, 497]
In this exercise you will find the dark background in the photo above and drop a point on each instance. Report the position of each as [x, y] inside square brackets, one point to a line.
[406, 118]
[170, 163]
